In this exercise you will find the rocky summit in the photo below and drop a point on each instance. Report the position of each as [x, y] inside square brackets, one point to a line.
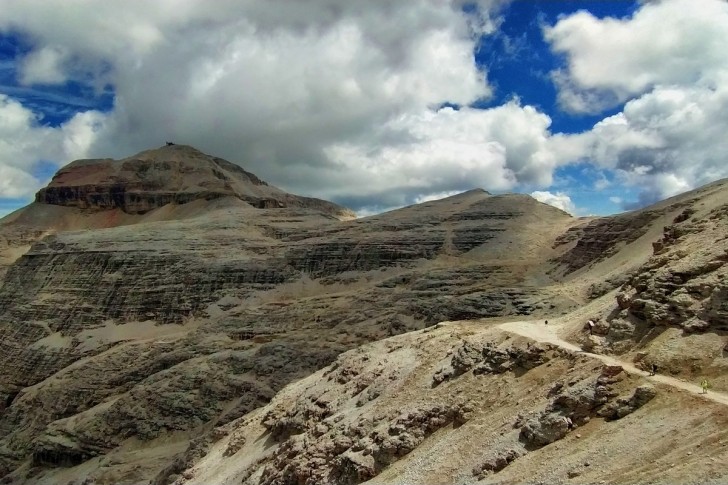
[173, 174]
[172, 318]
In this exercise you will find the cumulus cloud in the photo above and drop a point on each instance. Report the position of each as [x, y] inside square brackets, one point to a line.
[437, 196]
[668, 42]
[24, 143]
[445, 151]
[667, 141]
[15, 183]
[321, 97]
[668, 61]
[343, 100]
[560, 200]
[44, 66]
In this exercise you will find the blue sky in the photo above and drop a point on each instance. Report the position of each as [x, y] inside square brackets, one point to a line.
[593, 106]
[519, 61]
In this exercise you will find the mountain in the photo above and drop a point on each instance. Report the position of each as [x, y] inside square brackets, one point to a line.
[154, 309]
[171, 182]
[176, 174]
[527, 400]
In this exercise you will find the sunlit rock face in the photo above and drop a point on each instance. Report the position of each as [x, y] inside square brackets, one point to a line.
[173, 174]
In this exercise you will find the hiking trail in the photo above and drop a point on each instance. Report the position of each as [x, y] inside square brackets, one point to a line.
[536, 330]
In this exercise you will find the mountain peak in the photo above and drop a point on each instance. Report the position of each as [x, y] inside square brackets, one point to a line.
[173, 150]
[168, 174]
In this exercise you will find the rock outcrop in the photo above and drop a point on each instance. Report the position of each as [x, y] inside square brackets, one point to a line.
[678, 291]
[683, 285]
[512, 425]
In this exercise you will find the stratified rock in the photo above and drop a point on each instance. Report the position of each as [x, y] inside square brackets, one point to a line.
[600, 238]
[176, 174]
[73, 305]
[169, 295]
[681, 288]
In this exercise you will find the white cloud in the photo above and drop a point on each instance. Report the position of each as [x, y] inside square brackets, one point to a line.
[667, 42]
[24, 143]
[667, 141]
[277, 86]
[437, 196]
[446, 151]
[14, 182]
[668, 61]
[339, 99]
[320, 97]
[44, 66]
[560, 200]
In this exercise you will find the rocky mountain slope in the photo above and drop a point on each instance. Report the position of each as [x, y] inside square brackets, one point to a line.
[460, 403]
[130, 191]
[154, 306]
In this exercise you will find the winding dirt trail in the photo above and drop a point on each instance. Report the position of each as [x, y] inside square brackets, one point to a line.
[548, 334]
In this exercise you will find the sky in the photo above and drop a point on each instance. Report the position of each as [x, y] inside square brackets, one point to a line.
[595, 107]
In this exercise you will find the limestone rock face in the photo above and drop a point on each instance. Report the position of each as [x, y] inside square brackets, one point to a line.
[598, 239]
[175, 174]
[171, 292]
[152, 306]
[514, 426]
[167, 183]
[683, 283]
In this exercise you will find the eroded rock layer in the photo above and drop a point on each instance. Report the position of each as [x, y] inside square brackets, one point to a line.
[176, 174]
[153, 305]
[461, 403]
[162, 325]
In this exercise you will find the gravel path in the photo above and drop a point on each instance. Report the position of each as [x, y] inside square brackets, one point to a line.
[548, 334]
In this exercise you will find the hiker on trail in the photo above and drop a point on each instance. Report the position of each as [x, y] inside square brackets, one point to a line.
[569, 422]
[653, 369]
[705, 385]
[590, 325]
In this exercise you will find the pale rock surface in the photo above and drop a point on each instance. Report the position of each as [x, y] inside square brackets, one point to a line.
[152, 307]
